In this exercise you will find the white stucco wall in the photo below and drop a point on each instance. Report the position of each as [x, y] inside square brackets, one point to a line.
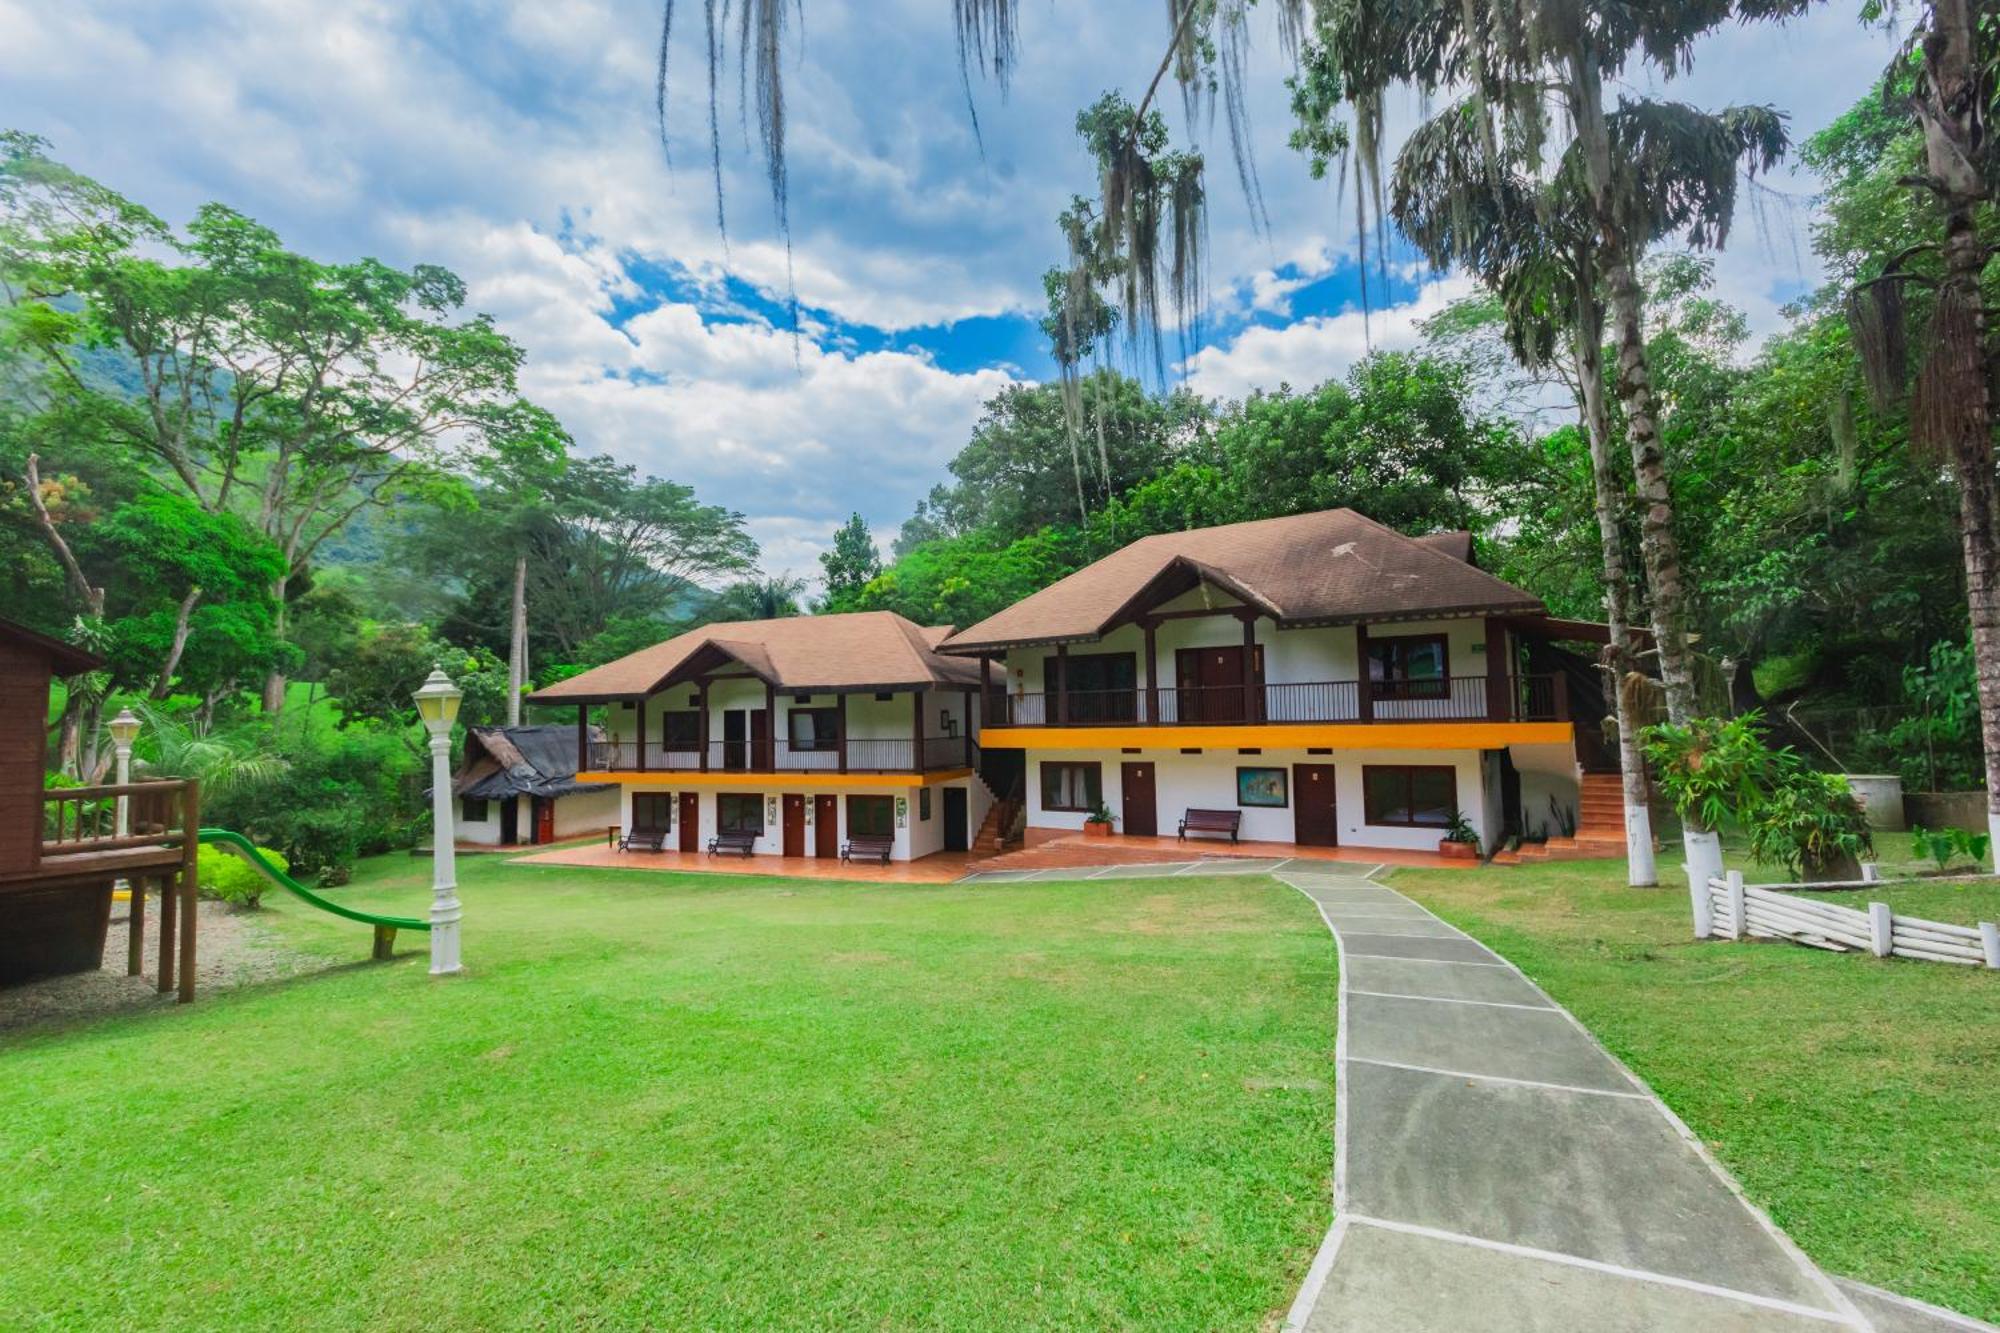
[1548, 773]
[1208, 781]
[576, 814]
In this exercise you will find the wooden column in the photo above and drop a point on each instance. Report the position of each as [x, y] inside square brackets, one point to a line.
[583, 738]
[917, 699]
[1249, 666]
[1364, 692]
[190, 886]
[1496, 671]
[1062, 683]
[640, 706]
[840, 730]
[968, 728]
[1150, 628]
[701, 703]
[986, 708]
[169, 931]
[770, 727]
[135, 927]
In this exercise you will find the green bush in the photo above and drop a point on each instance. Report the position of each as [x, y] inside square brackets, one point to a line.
[227, 876]
[343, 794]
[1944, 845]
[1810, 823]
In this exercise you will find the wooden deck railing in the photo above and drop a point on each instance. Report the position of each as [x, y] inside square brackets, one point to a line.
[81, 840]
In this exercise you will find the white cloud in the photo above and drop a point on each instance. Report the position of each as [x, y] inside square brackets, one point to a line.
[1322, 347]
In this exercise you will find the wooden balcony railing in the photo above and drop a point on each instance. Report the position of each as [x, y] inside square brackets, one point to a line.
[1446, 699]
[895, 755]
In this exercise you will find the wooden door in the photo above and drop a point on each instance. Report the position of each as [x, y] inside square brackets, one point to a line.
[734, 729]
[1142, 814]
[957, 837]
[690, 818]
[545, 819]
[510, 820]
[761, 757]
[794, 824]
[1211, 682]
[826, 826]
[1315, 816]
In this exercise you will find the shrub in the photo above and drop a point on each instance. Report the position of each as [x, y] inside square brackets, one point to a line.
[343, 794]
[1944, 844]
[1810, 823]
[1712, 769]
[227, 876]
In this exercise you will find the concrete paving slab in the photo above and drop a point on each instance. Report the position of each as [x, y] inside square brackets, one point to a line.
[1394, 1282]
[1540, 1045]
[1458, 949]
[1600, 1178]
[1404, 976]
[1891, 1313]
[1423, 927]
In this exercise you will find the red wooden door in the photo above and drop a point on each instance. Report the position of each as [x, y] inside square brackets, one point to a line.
[1141, 806]
[826, 826]
[794, 825]
[690, 821]
[1315, 817]
[545, 819]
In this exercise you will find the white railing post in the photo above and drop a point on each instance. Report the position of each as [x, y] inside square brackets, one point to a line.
[1739, 924]
[1704, 913]
[1881, 929]
[1989, 943]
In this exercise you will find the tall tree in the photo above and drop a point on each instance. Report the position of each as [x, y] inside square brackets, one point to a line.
[849, 564]
[1953, 93]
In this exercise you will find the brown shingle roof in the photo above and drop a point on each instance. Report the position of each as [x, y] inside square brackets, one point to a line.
[1332, 567]
[863, 650]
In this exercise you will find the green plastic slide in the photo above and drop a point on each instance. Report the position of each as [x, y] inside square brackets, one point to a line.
[247, 849]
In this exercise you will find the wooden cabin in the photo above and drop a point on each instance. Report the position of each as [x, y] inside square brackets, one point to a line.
[62, 850]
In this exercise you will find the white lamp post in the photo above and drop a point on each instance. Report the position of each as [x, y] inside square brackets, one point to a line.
[437, 704]
[124, 730]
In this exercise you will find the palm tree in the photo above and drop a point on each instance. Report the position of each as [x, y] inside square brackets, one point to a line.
[1530, 244]
[1953, 99]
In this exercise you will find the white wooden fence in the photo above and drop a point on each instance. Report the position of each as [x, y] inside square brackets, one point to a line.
[1727, 908]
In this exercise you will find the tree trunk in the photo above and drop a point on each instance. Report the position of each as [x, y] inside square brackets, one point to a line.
[165, 684]
[517, 642]
[1641, 871]
[274, 682]
[1658, 546]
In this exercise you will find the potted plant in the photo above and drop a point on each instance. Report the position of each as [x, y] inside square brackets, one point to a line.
[1097, 824]
[1460, 841]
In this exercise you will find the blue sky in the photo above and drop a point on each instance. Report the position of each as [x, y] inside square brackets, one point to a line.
[514, 143]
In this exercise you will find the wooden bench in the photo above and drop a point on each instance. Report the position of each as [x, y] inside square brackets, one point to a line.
[1215, 822]
[741, 842]
[867, 845]
[644, 839]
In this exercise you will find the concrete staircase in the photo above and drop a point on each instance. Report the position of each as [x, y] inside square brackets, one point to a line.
[1600, 826]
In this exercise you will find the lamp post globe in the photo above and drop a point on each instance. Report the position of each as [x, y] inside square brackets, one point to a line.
[437, 704]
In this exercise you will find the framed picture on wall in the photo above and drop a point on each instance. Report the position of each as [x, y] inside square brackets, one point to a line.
[1262, 787]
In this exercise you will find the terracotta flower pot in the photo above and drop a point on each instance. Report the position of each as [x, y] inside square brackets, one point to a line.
[1458, 851]
[1093, 829]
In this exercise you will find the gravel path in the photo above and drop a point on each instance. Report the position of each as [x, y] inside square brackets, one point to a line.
[235, 950]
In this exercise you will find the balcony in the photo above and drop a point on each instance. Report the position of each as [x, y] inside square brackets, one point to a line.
[905, 755]
[1452, 699]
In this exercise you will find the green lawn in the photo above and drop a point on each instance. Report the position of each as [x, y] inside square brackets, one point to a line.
[681, 1102]
[1858, 1100]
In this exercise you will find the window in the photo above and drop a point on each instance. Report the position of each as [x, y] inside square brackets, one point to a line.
[1412, 797]
[739, 813]
[813, 728]
[472, 810]
[871, 817]
[1412, 666]
[681, 730]
[653, 809]
[1100, 687]
[1072, 786]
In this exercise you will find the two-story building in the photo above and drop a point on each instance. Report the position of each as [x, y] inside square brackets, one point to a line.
[1337, 682]
[803, 732]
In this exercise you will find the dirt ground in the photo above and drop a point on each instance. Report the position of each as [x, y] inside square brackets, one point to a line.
[234, 951]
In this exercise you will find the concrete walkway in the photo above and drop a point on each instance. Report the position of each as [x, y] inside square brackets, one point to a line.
[1496, 1169]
